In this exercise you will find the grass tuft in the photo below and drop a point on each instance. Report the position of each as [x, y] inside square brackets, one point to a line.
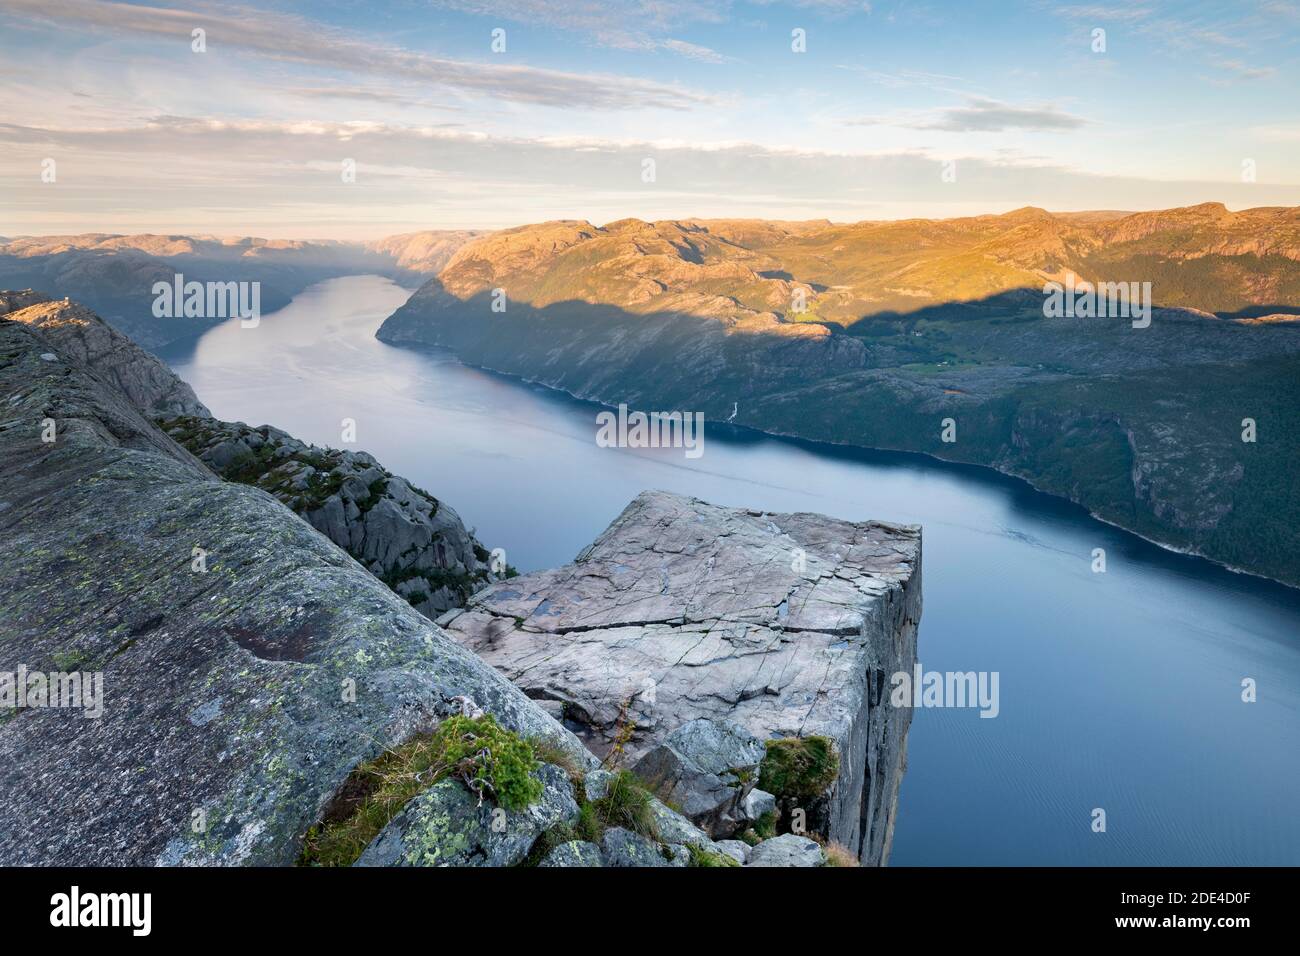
[494, 763]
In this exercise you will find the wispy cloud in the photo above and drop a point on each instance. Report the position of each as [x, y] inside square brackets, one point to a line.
[982, 115]
[1101, 13]
[693, 51]
[198, 175]
[1244, 71]
[293, 39]
[622, 24]
[902, 79]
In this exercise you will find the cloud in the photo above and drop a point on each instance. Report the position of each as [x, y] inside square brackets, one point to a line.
[622, 24]
[909, 78]
[294, 39]
[981, 115]
[354, 93]
[1244, 71]
[1098, 12]
[184, 174]
[693, 50]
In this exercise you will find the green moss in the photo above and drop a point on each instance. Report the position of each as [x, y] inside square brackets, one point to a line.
[459, 582]
[703, 857]
[68, 661]
[557, 835]
[626, 804]
[493, 762]
[799, 768]
[765, 826]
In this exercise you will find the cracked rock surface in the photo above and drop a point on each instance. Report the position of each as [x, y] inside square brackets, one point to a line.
[786, 624]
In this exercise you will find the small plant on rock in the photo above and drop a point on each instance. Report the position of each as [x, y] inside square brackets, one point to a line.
[799, 768]
[493, 762]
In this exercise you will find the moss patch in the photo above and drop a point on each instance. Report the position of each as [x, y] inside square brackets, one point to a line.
[491, 761]
[799, 768]
[703, 857]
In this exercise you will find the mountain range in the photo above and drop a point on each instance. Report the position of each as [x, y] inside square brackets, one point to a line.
[885, 334]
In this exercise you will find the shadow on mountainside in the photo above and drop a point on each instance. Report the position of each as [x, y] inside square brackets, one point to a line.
[1143, 427]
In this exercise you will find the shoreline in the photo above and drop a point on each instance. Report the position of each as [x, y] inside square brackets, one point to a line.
[815, 442]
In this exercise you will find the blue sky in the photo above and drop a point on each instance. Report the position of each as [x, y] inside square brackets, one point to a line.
[249, 136]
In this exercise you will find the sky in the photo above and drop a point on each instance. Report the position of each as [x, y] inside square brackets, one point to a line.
[354, 120]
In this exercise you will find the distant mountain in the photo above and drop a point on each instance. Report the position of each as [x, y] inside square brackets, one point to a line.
[423, 252]
[1203, 257]
[114, 275]
[873, 333]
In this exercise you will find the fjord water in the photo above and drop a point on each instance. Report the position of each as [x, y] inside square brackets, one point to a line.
[1120, 691]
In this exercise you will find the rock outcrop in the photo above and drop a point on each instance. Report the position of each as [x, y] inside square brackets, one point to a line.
[247, 663]
[787, 625]
[444, 826]
[79, 333]
[235, 671]
[406, 537]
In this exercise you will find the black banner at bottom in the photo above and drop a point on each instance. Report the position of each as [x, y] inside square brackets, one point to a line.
[299, 905]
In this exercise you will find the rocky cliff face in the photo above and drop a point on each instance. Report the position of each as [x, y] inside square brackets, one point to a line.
[207, 679]
[82, 335]
[241, 681]
[407, 538]
[683, 613]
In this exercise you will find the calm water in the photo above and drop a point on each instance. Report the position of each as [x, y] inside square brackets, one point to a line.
[1118, 690]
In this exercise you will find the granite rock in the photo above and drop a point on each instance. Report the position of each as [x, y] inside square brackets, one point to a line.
[247, 663]
[786, 850]
[784, 624]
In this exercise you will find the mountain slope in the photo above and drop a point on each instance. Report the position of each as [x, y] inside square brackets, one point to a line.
[911, 323]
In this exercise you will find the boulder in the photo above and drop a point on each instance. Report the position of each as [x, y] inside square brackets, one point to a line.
[756, 803]
[704, 767]
[738, 850]
[620, 847]
[787, 850]
[573, 853]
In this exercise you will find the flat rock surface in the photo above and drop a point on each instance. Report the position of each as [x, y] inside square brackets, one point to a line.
[787, 624]
[786, 850]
